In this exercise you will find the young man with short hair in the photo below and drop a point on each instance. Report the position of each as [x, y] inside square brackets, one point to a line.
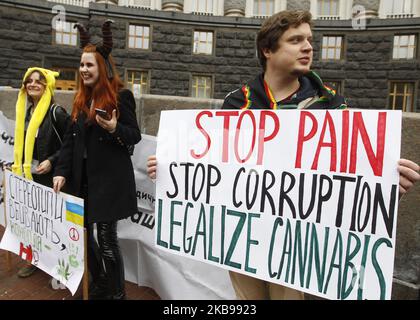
[284, 46]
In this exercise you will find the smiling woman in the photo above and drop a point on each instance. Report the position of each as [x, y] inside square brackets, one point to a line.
[95, 161]
[35, 86]
[39, 130]
[89, 69]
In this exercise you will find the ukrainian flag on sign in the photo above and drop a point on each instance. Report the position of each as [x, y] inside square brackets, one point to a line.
[74, 213]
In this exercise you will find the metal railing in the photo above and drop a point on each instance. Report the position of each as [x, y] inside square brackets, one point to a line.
[146, 4]
[400, 16]
[329, 17]
[79, 3]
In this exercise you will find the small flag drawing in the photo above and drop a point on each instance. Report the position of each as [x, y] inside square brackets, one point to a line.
[74, 213]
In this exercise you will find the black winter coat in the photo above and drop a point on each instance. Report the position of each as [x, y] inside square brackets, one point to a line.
[111, 189]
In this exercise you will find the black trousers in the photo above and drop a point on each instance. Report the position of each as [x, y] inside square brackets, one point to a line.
[105, 263]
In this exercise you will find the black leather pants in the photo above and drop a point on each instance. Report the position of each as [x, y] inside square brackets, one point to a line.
[105, 262]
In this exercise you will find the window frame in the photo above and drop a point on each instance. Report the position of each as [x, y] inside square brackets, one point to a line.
[414, 94]
[213, 47]
[345, 11]
[416, 44]
[279, 5]
[193, 75]
[60, 69]
[218, 8]
[72, 31]
[384, 14]
[138, 24]
[343, 48]
[126, 74]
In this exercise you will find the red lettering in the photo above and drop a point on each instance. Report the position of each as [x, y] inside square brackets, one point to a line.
[226, 126]
[376, 161]
[301, 137]
[344, 141]
[261, 136]
[205, 134]
[27, 251]
[238, 128]
[321, 144]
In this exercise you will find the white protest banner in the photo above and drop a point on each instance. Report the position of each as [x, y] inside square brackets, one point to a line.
[45, 229]
[171, 276]
[306, 199]
[6, 153]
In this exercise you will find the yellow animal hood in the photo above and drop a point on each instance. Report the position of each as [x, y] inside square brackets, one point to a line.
[40, 111]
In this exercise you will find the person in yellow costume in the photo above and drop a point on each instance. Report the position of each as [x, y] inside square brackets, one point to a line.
[39, 131]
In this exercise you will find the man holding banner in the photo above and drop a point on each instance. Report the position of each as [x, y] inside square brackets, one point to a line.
[285, 53]
[284, 48]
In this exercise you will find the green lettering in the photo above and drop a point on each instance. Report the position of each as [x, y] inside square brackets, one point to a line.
[211, 257]
[297, 251]
[160, 242]
[187, 246]
[201, 221]
[286, 251]
[338, 245]
[171, 225]
[377, 267]
[278, 222]
[363, 268]
[249, 242]
[235, 237]
[349, 256]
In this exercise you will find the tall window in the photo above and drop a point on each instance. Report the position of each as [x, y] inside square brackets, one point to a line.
[398, 8]
[67, 79]
[401, 96]
[139, 37]
[202, 6]
[138, 82]
[328, 8]
[263, 7]
[201, 86]
[332, 48]
[404, 47]
[65, 33]
[203, 42]
[137, 3]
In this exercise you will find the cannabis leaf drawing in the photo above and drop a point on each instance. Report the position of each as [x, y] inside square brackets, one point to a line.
[63, 269]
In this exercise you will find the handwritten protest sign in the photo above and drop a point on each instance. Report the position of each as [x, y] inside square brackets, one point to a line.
[45, 229]
[306, 199]
[171, 276]
[176, 278]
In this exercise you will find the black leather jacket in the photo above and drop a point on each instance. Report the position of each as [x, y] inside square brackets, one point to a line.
[49, 139]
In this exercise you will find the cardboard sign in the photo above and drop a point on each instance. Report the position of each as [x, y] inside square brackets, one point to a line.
[305, 199]
[45, 229]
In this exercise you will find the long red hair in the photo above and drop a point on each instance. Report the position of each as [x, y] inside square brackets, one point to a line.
[104, 93]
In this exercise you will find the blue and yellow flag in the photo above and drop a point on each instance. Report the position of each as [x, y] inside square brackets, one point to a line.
[74, 213]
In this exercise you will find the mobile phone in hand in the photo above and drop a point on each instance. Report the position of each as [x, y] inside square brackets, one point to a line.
[102, 113]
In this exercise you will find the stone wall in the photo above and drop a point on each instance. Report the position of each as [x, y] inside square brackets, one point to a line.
[407, 260]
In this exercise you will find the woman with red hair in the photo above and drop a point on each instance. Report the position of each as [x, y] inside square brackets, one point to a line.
[95, 161]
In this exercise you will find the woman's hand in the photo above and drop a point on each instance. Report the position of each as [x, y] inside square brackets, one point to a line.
[108, 125]
[58, 183]
[151, 167]
[44, 167]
